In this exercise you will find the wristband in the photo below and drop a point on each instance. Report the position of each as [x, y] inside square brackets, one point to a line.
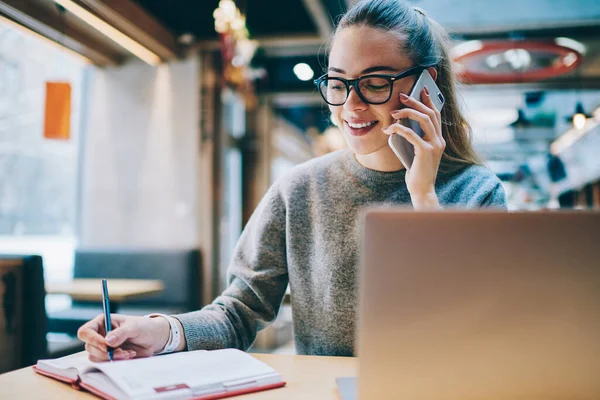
[174, 333]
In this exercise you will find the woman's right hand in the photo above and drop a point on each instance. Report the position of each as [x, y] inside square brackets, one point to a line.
[130, 337]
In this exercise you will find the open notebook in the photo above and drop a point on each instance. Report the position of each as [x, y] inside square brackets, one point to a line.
[188, 375]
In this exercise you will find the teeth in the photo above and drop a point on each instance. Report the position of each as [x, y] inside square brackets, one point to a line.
[358, 126]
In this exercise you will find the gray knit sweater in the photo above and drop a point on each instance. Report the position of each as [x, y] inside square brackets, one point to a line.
[305, 232]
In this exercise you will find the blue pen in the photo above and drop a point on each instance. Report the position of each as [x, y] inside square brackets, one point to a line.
[106, 308]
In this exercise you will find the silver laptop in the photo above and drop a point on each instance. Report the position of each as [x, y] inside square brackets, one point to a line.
[480, 305]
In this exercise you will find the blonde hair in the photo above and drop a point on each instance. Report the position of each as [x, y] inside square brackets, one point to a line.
[425, 42]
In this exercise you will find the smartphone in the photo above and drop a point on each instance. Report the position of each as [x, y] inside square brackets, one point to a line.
[401, 147]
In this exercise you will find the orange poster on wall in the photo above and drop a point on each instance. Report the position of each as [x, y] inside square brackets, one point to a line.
[57, 120]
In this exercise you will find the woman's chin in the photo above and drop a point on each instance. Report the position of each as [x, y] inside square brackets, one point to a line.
[362, 147]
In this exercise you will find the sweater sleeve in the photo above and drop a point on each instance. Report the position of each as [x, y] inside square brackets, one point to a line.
[257, 279]
[496, 198]
[473, 187]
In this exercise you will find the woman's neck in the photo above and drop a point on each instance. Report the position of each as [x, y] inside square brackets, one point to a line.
[383, 160]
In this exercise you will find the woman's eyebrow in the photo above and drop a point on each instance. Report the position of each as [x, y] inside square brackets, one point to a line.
[334, 69]
[367, 70]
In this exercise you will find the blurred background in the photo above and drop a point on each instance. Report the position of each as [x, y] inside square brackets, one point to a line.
[137, 136]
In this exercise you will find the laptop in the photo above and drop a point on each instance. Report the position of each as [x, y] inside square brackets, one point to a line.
[467, 305]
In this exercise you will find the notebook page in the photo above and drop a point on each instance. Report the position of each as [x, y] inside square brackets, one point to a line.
[102, 383]
[70, 366]
[196, 371]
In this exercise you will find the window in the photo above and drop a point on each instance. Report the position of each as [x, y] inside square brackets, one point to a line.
[38, 177]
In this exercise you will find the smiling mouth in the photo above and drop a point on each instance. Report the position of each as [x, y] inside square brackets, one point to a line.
[362, 125]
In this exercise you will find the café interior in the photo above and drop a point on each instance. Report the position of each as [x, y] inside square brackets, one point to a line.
[137, 137]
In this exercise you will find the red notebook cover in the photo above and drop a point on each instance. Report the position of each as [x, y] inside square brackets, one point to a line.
[74, 383]
[78, 385]
[206, 397]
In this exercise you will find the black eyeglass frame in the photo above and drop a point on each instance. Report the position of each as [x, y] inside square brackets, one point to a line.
[354, 83]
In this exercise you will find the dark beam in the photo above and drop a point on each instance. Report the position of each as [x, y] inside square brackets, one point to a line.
[137, 23]
[316, 11]
[275, 46]
[58, 29]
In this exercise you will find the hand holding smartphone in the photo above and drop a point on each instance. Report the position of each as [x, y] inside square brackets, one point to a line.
[401, 147]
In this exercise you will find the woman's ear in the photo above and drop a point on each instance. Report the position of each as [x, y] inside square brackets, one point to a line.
[432, 72]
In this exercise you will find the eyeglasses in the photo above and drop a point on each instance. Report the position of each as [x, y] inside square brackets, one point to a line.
[372, 89]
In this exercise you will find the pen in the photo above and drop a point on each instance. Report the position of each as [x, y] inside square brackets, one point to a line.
[106, 308]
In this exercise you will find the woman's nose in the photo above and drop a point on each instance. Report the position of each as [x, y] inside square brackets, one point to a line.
[354, 102]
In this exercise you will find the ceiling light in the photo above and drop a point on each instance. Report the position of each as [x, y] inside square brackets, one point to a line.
[493, 61]
[229, 18]
[466, 47]
[186, 39]
[579, 120]
[304, 72]
[570, 59]
[512, 61]
[571, 44]
[579, 117]
[518, 58]
[110, 32]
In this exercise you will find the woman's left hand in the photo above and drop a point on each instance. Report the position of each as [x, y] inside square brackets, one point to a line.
[420, 179]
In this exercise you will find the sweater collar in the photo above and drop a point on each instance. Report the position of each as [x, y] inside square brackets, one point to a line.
[369, 175]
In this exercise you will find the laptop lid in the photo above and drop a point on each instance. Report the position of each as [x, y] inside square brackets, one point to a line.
[479, 305]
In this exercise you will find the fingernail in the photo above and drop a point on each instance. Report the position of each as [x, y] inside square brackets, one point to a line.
[404, 96]
[111, 339]
[426, 91]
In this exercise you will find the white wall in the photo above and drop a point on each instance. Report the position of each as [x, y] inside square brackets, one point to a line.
[140, 157]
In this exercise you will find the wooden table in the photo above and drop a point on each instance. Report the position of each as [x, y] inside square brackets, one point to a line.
[120, 290]
[307, 377]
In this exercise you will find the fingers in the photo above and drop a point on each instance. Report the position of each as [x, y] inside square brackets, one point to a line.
[91, 332]
[97, 345]
[117, 336]
[424, 121]
[97, 354]
[410, 135]
[418, 105]
[426, 100]
[427, 108]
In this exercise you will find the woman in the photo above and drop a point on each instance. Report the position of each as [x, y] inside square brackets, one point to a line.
[304, 231]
